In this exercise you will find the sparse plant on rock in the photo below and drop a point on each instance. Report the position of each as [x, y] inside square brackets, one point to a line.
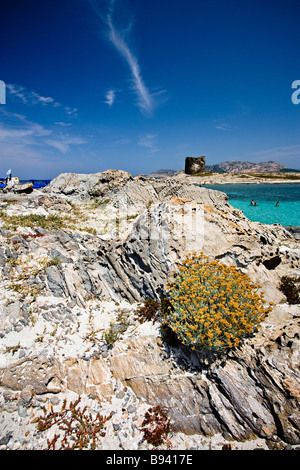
[32, 220]
[111, 335]
[12, 349]
[148, 311]
[290, 287]
[156, 426]
[214, 306]
[77, 428]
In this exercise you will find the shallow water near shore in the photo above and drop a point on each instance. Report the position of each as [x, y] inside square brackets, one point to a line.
[266, 196]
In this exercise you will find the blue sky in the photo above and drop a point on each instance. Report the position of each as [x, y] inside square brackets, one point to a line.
[139, 85]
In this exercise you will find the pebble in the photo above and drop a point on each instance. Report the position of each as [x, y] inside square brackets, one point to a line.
[22, 410]
[54, 400]
[5, 439]
[131, 409]
[22, 353]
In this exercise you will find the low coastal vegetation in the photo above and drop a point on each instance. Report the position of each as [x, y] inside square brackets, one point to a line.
[275, 176]
[214, 306]
[116, 328]
[50, 222]
[77, 428]
[156, 426]
[290, 287]
[210, 306]
[33, 220]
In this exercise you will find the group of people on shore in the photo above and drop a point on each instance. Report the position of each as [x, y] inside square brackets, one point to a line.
[253, 203]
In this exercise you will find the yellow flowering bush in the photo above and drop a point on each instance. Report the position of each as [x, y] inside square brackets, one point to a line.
[213, 306]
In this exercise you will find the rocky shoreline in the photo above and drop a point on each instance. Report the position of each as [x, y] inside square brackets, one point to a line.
[236, 178]
[77, 260]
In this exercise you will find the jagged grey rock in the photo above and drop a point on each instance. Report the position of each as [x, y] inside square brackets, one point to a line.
[254, 391]
[86, 185]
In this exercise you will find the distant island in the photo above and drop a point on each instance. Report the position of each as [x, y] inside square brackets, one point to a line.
[236, 166]
[232, 166]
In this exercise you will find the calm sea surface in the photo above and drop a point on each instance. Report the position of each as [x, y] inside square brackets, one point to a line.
[36, 183]
[266, 196]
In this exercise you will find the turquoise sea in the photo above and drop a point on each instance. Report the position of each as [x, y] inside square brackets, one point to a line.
[266, 197]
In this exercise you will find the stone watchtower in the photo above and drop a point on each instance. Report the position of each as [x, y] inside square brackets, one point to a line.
[194, 165]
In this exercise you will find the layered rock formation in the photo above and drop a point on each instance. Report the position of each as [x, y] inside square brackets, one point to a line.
[87, 185]
[62, 288]
[25, 188]
[255, 392]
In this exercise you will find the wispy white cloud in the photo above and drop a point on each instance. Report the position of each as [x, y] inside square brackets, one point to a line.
[25, 143]
[145, 99]
[110, 97]
[24, 130]
[64, 143]
[20, 142]
[282, 153]
[30, 97]
[27, 96]
[148, 141]
[223, 127]
[63, 124]
[71, 111]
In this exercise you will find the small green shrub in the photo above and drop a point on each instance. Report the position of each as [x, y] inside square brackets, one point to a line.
[149, 204]
[111, 335]
[52, 262]
[100, 202]
[214, 306]
[290, 287]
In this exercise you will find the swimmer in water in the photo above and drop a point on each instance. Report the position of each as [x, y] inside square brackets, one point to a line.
[277, 204]
[255, 204]
[252, 202]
